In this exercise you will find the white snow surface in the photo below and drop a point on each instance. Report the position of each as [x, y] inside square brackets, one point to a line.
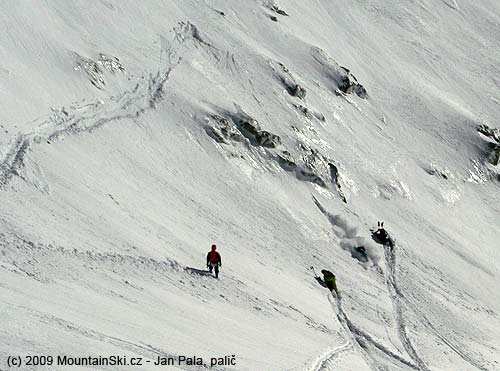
[113, 185]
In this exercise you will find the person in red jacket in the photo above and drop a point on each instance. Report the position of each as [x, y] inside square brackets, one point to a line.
[214, 261]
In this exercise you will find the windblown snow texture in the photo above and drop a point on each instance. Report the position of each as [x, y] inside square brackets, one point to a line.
[133, 136]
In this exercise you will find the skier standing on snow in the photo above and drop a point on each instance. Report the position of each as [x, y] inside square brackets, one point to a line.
[330, 281]
[381, 236]
[214, 261]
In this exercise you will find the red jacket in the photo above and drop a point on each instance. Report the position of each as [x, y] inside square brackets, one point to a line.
[213, 257]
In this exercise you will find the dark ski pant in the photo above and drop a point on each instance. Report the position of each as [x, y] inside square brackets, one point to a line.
[215, 266]
[331, 286]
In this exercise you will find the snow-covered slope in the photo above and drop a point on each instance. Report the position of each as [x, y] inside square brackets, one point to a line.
[136, 134]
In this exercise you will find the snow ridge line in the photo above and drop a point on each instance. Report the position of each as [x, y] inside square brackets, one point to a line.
[396, 296]
[362, 337]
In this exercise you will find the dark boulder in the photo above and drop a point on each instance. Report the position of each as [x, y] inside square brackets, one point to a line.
[275, 8]
[286, 161]
[249, 128]
[310, 176]
[348, 84]
[494, 157]
[221, 130]
[334, 173]
[296, 91]
[267, 139]
[493, 136]
[287, 79]
[360, 91]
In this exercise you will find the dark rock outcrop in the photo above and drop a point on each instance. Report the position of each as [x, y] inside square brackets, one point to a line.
[276, 9]
[493, 136]
[310, 176]
[348, 84]
[286, 161]
[267, 139]
[309, 113]
[307, 163]
[286, 78]
[334, 172]
[309, 166]
[296, 91]
[222, 130]
[96, 69]
[494, 157]
[271, 5]
[249, 127]
[433, 169]
[345, 81]
[238, 127]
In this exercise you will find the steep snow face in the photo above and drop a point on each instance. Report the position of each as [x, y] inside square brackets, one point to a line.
[133, 136]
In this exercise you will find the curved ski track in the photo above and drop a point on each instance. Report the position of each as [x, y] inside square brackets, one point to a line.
[130, 104]
[396, 298]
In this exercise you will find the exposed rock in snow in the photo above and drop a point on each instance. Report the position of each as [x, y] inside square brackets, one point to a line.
[271, 5]
[288, 80]
[334, 171]
[492, 133]
[344, 80]
[307, 112]
[308, 164]
[95, 68]
[222, 131]
[109, 203]
[286, 161]
[494, 157]
[494, 143]
[349, 84]
[250, 128]
[433, 169]
[267, 139]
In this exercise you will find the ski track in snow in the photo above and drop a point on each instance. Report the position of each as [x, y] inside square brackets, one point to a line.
[143, 349]
[323, 361]
[88, 117]
[467, 358]
[48, 264]
[358, 335]
[36, 261]
[396, 298]
[399, 305]
[129, 105]
[60, 323]
[364, 339]
[445, 341]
